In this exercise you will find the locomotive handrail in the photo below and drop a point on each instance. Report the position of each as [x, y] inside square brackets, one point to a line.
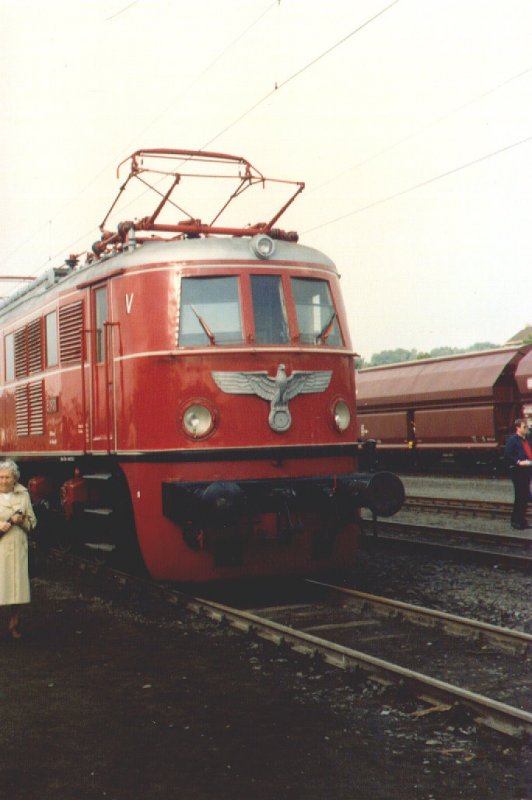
[17, 278]
[85, 332]
[110, 412]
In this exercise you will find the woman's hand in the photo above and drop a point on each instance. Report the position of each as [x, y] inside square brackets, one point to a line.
[5, 527]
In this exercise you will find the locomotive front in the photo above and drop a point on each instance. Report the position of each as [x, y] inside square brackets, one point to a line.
[253, 415]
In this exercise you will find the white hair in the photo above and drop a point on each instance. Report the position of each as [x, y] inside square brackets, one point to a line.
[10, 465]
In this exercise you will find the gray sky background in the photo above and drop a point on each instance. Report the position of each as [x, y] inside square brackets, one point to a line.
[413, 135]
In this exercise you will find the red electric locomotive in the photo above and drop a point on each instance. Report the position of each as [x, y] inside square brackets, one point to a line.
[186, 394]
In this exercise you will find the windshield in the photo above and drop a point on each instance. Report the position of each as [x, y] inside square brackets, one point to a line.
[269, 310]
[210, 312]
[316, 315]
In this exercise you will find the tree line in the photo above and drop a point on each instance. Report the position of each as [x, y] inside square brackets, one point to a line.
[400, 354]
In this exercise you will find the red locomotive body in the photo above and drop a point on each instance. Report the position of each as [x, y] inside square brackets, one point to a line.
[457, 408]
[191, 394]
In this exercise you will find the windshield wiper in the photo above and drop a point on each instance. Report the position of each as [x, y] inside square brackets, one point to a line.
[204, 325]
[325, 332]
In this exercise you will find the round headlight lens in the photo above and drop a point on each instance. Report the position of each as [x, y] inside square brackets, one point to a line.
[263, 246]
[342, 416]
[197, 420]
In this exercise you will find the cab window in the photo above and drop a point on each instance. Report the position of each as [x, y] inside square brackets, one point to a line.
[210, 312]
[269, 310]
[101, 316]
[316, 315]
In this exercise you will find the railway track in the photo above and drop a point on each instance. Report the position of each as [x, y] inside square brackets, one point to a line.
[344, 613]
[506, 639]
[340, 626]
[507, 550]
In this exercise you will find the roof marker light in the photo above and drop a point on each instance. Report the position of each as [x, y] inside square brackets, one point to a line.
[263, 246]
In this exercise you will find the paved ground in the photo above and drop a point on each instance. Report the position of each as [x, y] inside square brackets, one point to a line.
[485, 489]
[498, 489]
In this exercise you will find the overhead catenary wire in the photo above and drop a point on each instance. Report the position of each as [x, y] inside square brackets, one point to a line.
[277, 87]
[422, 129]
[122, 10]
[146, 127]
[299, 72]
[296, 74]
[398, 142]
[213, 63]
[283, 83]
[435, 178]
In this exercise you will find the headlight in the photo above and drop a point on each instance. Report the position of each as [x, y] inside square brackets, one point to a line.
[263, 246]
[197, 420]
[342, 416]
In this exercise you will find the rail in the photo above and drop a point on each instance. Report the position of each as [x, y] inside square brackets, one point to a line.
[494, 714]
[512, 641]
[491, 713]
[504, 549]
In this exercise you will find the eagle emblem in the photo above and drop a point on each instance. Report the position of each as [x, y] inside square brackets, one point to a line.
[278, 391]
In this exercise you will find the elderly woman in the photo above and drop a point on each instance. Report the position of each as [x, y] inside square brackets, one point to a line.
[16, 518]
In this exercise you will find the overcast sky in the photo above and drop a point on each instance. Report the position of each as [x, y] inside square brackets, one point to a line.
[413, 133]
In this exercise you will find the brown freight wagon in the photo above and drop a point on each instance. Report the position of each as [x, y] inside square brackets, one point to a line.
[455, 409]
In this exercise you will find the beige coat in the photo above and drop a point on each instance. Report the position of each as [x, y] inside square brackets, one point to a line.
[14, 579]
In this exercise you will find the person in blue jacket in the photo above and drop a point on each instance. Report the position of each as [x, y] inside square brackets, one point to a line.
[518, 454]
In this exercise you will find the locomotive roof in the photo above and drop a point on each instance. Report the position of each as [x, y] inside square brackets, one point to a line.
[179, 252]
